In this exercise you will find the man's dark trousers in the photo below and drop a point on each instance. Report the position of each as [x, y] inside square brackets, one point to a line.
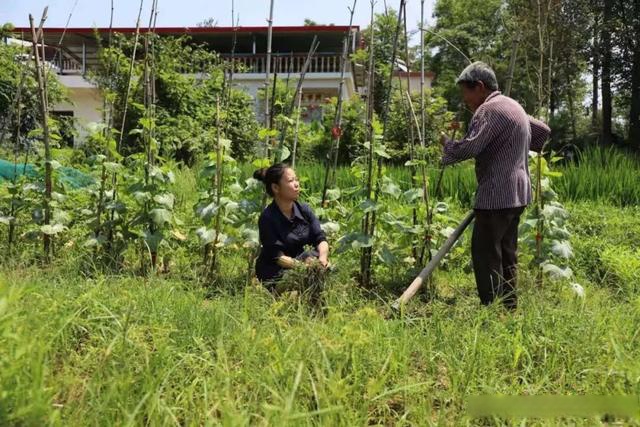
[494, 247]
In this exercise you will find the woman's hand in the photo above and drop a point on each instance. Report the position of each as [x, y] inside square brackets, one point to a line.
[323, 254]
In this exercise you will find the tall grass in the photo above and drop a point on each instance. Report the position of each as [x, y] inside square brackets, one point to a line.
[607, 175]
[458, 183]
[121, 351]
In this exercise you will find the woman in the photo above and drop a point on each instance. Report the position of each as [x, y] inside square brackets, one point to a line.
[286, 226]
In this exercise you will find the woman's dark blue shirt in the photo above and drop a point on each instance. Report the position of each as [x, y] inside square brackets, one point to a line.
[280, 235]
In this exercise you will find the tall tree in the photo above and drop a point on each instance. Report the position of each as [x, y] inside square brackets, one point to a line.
[606, 51]
[634, 92]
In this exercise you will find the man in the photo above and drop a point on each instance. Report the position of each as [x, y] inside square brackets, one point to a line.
[499, 137]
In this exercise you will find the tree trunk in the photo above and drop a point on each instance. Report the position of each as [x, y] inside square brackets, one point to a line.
[606, 73]
[595, 67]
[634, 112]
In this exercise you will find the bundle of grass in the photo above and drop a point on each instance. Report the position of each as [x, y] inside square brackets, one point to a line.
[307, 281]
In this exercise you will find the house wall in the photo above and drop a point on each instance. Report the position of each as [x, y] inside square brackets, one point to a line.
[85, 101]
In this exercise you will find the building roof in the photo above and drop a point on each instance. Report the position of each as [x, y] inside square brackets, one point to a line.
[286, 39]
[198, 30]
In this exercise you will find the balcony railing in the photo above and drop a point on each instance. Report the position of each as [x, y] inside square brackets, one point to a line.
[244, 63]
[285, 63]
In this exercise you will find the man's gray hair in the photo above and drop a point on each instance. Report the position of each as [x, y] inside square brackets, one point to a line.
[479, 72]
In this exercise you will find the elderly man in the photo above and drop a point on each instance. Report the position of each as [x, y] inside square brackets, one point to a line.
[499, 137]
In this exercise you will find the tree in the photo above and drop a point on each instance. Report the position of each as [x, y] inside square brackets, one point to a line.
[17, 78]
[209, 23]
[189, 80]
[606, 51]
[385, 32]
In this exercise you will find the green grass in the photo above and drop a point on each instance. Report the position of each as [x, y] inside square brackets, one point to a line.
[608, 175]
[162, 351]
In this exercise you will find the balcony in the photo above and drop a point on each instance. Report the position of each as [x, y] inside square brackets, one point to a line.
[286, 63]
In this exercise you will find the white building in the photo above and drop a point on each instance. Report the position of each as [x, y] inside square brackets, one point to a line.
[78, 53]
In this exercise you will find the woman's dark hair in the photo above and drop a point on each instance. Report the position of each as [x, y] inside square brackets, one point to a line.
[271, 175]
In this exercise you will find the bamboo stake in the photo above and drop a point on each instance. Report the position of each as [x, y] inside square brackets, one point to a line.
[364, 272]
[408, 112]
[218, 186]
[114, 179]
[107, 116]
[295, 136]
[303, 73]
[334, 151]
[423, 120]
[150, 101]
[538, 201]
[41, 76]
[385, 117]
[16, 148]
[267, 118]
[128, 91]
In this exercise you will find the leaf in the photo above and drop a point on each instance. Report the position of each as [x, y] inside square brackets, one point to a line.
[7, 220]
[166, 200]
[561, 248]
[555, 272]
[235, 188]
[261, 163]
[250, 237]
[153, 240]
[160, 216]
[442, 208]
[178, 235]
[55, 164]
[552, 174]
[380, 151]
[362, 241]
[61, 217]
[94, 241]
[386, 256]
[333, 194]
[446, 232]
[60, 198]
[578, 289]
[553, 211]
[391, 189]
[52, 229]
[112, 166]
[560, 233]
[415, 162]
[206, 235]
[142, 197]
[231, 206]
[208, 211]
[225, 143]
[283, 154]
[412, 195]
[267, 133]
[368, 206]
[330, 227]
